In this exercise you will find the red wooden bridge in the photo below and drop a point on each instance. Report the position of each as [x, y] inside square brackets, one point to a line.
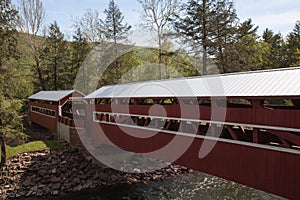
[242, 127]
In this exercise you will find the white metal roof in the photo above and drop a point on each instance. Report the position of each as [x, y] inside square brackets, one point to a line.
[52, 95]
[278, 82]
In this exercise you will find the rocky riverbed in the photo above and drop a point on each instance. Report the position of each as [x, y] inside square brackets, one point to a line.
[55, 172]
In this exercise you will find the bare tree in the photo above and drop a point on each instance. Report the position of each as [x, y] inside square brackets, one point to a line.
[90, 26]
[156, 17]
[32, 17]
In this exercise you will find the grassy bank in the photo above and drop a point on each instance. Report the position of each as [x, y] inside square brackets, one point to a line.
[31, 147]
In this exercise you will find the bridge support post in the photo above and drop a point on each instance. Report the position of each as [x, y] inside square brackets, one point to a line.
[256, 136]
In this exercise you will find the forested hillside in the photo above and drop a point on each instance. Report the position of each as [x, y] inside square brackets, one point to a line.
[35, 56]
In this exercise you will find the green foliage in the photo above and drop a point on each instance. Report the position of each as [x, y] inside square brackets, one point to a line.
[293, 47]
[55, 56]
[32, 147]
[8, 41]
[274, 58]
[115, 29]
[207, 25]
[79, 49]
[12, 127]
[141, 64]
[238, 55]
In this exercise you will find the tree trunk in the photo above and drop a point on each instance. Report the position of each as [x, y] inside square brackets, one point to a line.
[3, 150]
[204, 61]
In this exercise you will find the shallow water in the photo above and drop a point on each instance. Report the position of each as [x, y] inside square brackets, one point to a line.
[191, 186]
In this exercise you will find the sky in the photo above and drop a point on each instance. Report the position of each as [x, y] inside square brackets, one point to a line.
[277, 15]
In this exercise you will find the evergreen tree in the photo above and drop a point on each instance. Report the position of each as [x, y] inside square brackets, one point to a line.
[240, 54]
[114, 28]
[79, 51]
[293, 47]
[205, 24]
[10, 83]
[275, 56]
[56, 58]
[225, 30]
[11, 123]
[8, 40]
[116, 31]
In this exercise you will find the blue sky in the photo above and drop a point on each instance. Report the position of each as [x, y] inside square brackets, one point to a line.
[277, 15]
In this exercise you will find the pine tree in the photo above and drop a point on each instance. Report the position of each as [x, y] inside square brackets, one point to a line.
[225, 29]
[275, 57]
[116, 31]
[239, 55]
[205, 25]
[79, 51]
[293, 47]
[55, 55]
[11, 123]
[114, 28]
[8, 40]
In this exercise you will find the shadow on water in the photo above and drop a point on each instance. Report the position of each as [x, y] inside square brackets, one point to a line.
[192, 186]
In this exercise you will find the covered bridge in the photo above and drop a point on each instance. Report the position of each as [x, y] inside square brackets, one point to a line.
[250, 119]
[46, 107]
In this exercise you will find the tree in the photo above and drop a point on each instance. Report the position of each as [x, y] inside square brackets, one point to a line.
[11, 127]
[293, 47]
[11, 123]
[90, 26]
[241, 54]
[116, 31]
[79, 50]
[275, 57]
[32, 16]
[8, 40]
[205, 25]
[10, 83]
[225, 29]
[157, 15]
[55, 55]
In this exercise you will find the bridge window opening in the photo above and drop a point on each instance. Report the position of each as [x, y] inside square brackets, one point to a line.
[102, 101]
[167, 102]
[296, 103]
[148, 102]
[278, 103]
[239, 103]
[204, 102]
[44, 102]
[43, 111]
[124, 101]
[296, 147]
[221, 103]
[189, 101]
[117, 102]
[74, 109]
[133, 102]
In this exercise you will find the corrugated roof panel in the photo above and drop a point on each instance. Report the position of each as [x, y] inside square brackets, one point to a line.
[51, 95]
[278, 82]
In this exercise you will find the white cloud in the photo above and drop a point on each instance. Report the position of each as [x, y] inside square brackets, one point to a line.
[277, 15]
[283, 22]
